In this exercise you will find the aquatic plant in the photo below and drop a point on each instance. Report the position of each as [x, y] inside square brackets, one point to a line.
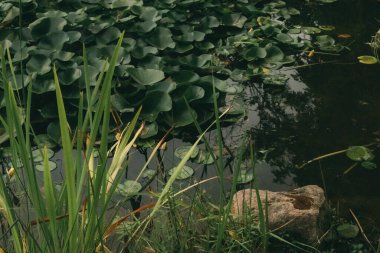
[170, 50]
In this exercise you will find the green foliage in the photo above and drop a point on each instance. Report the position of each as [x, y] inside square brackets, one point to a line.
[169, 51]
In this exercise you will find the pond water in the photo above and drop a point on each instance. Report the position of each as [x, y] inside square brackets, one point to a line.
[326, 107]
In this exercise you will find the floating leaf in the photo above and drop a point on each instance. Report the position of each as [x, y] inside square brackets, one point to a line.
[310, 30]
[327, 27]
[53, 41]
[41, 167]
[369, 165]
[149, 173]
[181, 152]
[37, 155]
[186, 172]
[359, 153]
[40, 64]
[129, 188]
[154, 103]
[46, 25]
[367, 59]
[149, 130]
[254, 52]
[284, 38]
[245, 176]
[344, 36]
[146, 76]
[185, 77]
[203, 157]
[348, 231]
[161, 38]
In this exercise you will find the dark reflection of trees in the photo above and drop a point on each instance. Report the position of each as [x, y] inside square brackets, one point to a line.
[339, 108]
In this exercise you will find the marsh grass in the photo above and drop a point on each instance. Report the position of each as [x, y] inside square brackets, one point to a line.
[82, 216]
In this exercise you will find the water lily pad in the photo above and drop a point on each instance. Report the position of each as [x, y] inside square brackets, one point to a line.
[234, 19]
[245, 176]
[53, 41]
[359, 153]
[186, 172]
[69, 76]
[41, 167]
[146, 76]
[40, 64]
[196, 61]
[129, 188]
[161, 38]
[254, 52]
[367, 59]
[369, 165]
[46, 25]
[37, 154]
[43, 140]
[284, 38]
[274, 54]
[154, 103]
[327, 27]
[203, 157]
[181, 152]
[310, 30]
[149, 130]
[348, 231]
[185, 77]
[108, 35]
[149, 173]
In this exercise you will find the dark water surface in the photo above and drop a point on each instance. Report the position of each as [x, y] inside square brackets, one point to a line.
[325, 108]
[329, 107]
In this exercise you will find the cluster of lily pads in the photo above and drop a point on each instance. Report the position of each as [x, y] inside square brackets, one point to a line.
[173, 54]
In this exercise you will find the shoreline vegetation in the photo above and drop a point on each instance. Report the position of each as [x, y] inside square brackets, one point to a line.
[129, 75]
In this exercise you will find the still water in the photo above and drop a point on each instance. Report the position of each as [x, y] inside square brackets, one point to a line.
[326, 107]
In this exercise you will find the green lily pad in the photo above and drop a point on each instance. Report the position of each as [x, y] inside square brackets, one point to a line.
[43, 140]
[40, 64]
[129, 188]
[234, 19]
[284, 38]
[196, 61]
[203, 157]
[53, 41]
[254, 52]
[367, 59]
[37, 154]
[149, 130]
[348, 231]
[148, 174]
[369, 165]
[359, 153]
[185, 77]
[274, 54]
[108, 35]
[310, 30]
[146, 76]
[69, 76]
[46, 25]
[41, 167]
[154, 103]
[181, 152]
[161, 38]
[186, 172]
[245, 176]
[327, 27]
[144, 27]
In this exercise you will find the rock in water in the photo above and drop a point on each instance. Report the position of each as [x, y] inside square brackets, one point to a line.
[298, 211]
